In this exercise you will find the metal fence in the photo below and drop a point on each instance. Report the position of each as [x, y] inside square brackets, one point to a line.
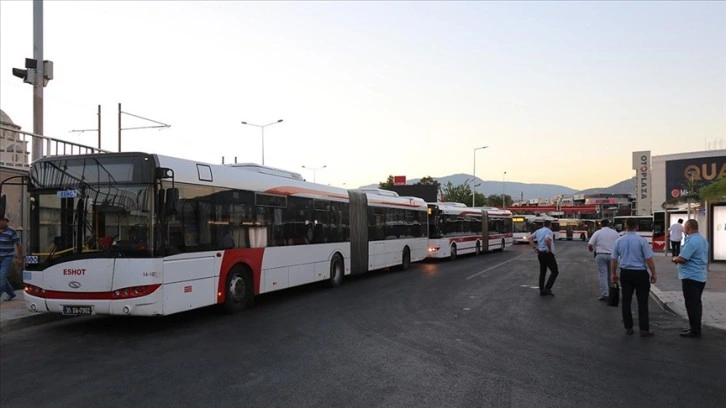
[16, 145]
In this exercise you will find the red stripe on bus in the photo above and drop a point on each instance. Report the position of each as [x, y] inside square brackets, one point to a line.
[249, 257]
[53, 294]
[290, 190]
[464, 239]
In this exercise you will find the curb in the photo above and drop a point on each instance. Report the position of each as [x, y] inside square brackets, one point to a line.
[657, 295]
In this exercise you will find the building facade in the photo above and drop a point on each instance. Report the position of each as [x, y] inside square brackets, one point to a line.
[13, 149]
[666, 182]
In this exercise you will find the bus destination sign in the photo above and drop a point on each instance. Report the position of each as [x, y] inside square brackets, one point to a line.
[67, 193]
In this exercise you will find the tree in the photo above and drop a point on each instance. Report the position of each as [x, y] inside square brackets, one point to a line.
[428, 180]
[388, 184]
[715, 191]
[495, 200]
[480, 200]
[456, 194]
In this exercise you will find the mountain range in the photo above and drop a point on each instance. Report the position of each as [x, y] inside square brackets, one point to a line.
[526, 191]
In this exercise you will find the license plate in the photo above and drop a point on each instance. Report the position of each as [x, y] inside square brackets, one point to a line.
[77, 310]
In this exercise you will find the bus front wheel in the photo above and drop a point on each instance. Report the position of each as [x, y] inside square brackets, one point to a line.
[478, 249]
[453, 253]
[336, 271]
[238, 291]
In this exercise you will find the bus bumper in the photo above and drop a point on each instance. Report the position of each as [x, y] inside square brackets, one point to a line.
[150, 305]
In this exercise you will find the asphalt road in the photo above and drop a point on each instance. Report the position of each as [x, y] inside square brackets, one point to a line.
[469, 333]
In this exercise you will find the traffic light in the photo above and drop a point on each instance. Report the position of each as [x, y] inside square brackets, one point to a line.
[28, 74]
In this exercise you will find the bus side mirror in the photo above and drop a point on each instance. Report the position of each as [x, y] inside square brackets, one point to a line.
[172, 197]
[159, 201]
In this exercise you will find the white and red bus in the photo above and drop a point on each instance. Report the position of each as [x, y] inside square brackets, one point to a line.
[525, 225]
[650, 227]
[146, 234]
[574, 228]
[455, 229]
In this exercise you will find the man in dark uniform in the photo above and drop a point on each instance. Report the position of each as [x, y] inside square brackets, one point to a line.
[633, 253]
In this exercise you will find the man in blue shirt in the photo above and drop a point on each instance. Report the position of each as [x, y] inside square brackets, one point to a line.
[693, 271]
[633, 253]
[10, 250]
[545, 248]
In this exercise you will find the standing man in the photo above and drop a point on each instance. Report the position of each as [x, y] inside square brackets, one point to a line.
[603, 242]
[545, 249]
[10, 251]
[633, 253]
[676, 235]
[692, 271]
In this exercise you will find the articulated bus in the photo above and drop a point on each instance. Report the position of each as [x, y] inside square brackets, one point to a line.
[525, 225]
[455, 229]
[573, 228]
[650, 227]
[146, 234]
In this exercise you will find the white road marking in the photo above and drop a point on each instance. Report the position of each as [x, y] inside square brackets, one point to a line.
[495, 266]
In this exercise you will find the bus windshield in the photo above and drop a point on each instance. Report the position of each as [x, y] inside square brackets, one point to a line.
[520, 224]
[95, 222]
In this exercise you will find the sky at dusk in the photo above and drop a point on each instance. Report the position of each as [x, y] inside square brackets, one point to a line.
[560, 92]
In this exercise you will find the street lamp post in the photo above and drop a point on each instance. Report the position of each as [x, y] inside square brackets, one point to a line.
[473, 193]
[263, 135]
[315, 170]
[690, 192]
[503, 190]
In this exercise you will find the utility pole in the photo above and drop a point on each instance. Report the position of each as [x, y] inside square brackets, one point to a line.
[37, 73]
[99, 127]
[90, 130]
[37, 146]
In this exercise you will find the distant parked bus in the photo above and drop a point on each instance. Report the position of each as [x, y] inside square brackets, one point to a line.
[525, 225]
[650, 227]
[455, 229]
[574, 228]
[146, 234]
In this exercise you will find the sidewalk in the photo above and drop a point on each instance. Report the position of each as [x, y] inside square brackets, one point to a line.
[668, 293]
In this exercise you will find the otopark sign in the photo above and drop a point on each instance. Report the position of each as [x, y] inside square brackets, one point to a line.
[696, 172]
[642, 167]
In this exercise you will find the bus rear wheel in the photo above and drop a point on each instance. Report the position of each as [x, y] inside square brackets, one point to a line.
[453, 253]
[336, 271]
[238, 290]
[478, 249]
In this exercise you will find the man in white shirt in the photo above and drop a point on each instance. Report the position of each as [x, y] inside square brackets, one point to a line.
[603, 242]
[676, 235]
